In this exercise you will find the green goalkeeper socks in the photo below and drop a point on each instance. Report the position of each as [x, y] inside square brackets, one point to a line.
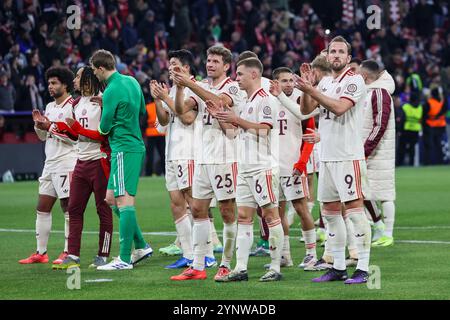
[129, 231]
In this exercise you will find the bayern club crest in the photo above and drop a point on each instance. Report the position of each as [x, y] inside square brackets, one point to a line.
[233, 90]
[60, 116]
[282, 113]
[338, 90]
[352, 88]
[250, 110]
[84, 112]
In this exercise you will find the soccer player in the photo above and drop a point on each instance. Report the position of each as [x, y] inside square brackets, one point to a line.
[123, 102]
[342, 179]
[379, 145]
[91, 170]
[256, 185]
[262, 246]
[292, 187]
[215, 167]
[60, 158]
[179, 153]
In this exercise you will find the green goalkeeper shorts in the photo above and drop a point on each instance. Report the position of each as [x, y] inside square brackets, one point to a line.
[125, 171]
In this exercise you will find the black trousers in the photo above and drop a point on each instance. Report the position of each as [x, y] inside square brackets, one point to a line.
[157, 143]
[432, 138]
[407, 142]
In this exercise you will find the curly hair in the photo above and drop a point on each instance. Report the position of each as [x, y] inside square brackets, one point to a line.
[89, 83]
[63, 74]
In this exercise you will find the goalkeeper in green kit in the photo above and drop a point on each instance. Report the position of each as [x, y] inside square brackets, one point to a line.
[123, 103]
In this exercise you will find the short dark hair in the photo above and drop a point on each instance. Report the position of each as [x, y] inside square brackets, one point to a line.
[371, 65]
[247, 54]
[340, 39]
[220, 51]
[89, 83]
[276, 73]
[103, 58]
[251, 63]
[185, 57]
[63, 74]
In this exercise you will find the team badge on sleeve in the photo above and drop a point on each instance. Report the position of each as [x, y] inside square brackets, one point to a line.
[267, 110]
[233, 90]
[352, 87]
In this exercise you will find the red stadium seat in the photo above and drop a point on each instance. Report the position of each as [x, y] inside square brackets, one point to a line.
[31, 137]
[10, 137]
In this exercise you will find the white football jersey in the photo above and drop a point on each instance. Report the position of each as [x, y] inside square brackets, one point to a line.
[212, 145]
[254, 151]
[179, 137]
[60, 152]
[88, 114]
[341, 135]
[288, 135]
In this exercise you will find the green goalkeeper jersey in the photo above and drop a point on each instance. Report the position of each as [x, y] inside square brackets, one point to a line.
[123, 103]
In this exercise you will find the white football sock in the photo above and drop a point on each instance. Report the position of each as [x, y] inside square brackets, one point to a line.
[337, 235]
[215, 239]
[43, 227]
[66, 231]
[363, 236]
[286, 253]
[191, 217]
[276, 239]
[310, 241]
[184, 231]
[388, 208]
[229, 241]
[351, 241]
[210, 252]
[244, 242]
[200, 235]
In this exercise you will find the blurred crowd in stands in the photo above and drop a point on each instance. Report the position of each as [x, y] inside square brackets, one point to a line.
[412, 43]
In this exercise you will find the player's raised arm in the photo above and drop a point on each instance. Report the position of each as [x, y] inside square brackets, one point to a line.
[158, 94]
[336, 106]
[227, 127]
[229, 116]
[181, 105]
[41, 125]
[205, 95]
[293, 107]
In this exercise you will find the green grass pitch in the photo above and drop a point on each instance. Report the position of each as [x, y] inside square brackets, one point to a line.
[416, 267]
